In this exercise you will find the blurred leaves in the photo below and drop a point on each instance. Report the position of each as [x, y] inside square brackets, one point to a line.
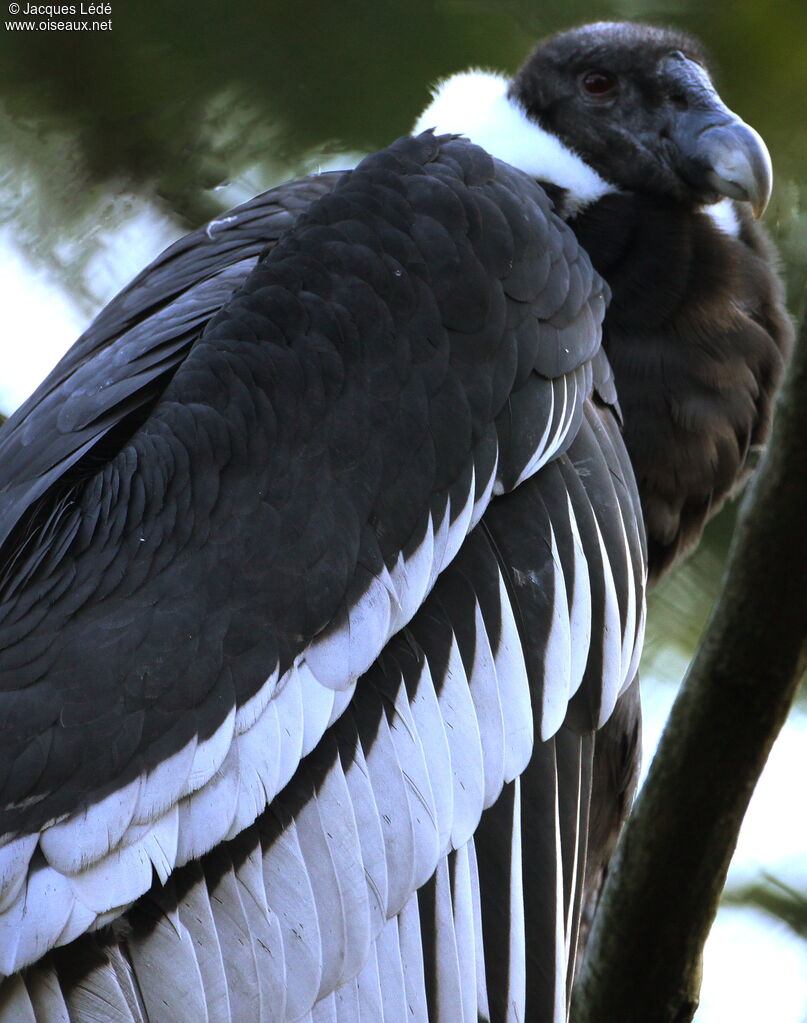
[772, 896]
[679, 607]
[183, 96]
[179, 98]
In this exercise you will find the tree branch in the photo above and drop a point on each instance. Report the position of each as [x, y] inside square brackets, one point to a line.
[643, 961]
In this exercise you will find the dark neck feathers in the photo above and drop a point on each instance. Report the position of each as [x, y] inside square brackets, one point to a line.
[696, 333]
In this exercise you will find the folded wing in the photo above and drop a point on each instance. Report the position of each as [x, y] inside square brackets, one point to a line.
[342, 545]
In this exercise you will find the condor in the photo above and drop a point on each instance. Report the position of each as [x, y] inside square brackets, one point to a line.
[323, 559]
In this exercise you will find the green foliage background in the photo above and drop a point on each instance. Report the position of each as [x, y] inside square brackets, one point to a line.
[180, 97]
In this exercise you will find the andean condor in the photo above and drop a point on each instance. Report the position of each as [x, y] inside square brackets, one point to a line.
[322, 560]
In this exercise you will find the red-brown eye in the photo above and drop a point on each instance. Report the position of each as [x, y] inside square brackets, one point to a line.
[598, 83]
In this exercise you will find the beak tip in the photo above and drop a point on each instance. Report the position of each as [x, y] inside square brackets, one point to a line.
[739, 164]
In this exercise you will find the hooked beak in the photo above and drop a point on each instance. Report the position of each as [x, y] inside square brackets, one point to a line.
[717, 152]
[740, 165]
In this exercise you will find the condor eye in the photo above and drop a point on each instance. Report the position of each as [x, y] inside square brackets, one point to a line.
[598, 83]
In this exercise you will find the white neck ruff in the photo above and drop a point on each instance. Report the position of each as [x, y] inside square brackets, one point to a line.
[475, 103]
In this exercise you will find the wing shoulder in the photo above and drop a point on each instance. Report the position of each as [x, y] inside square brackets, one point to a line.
[109, 380]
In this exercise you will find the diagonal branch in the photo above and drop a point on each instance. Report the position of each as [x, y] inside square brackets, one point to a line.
[644, 955]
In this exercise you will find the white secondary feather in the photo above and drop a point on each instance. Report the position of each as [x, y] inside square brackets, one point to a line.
[101, 995]
[557, 656]
[14, 860]
[369, 996]
[395, 605]
[324, 1011]
[389, 790]
[346, 1003]
[411, 575]
[210, 811]
[79, 921]
[630, 624]
[263, 934]
[368, 825]
[391, 974]
[259, 760]
[517, 703]
[328, 655]
[549, 440]
[317, 703]
[580, 606]
[458, 529]
[418, 788]
[505, 483]
[486, 694]
[477, 104]
[266, 742]
[172, 982]
[517, 988]
[446, 985]
[411, 951]
[322, 870]
[465, 744]
[197, 917]
[340, 832]
[73, 844]
[441, 524]
[574, 383]
[638, 643]
[210, 753]
[249, 712]
[46, 996]
[289, 895]
[564, 409]
[368, 619]
[17, 1003]
[611, 639]
[235, 932]
[483, 1007]
[287, 707]
[164, 785]
[349, 645]
[22, 933]
[161, 843]
[431, 729]
[462, 898]
[59, 908]
[559, 953]
[115, 881]
[341, 701]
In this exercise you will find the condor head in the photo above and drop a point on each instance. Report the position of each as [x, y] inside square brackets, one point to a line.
[638, 105]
